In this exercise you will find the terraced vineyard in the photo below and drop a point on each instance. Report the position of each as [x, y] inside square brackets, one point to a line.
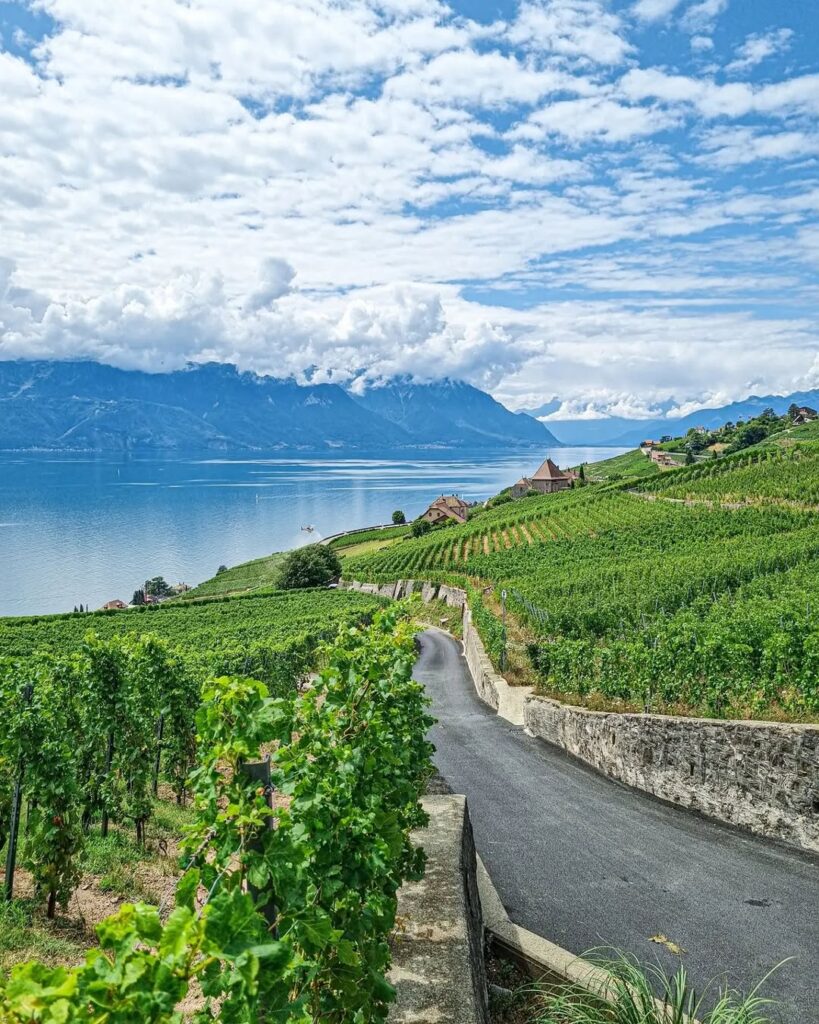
[655, 603]
[528, 521]
[271, 635]
[765, 474]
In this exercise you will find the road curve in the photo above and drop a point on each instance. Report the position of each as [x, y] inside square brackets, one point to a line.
[588, 862]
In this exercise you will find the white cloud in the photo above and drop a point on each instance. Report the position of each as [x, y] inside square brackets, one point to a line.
[584, 29]
[654, 10]
[385, 184]
[275, 277]
[734, 99]
[591, 117]
[735, 146]
[700, 17]
[758, 48]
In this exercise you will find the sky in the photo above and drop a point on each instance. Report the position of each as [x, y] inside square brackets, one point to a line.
[605, 205]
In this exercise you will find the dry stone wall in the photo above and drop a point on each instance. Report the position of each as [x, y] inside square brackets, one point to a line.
[761, 776]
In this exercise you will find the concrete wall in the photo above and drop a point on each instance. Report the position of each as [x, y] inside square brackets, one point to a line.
[438, 964]
[762, 776]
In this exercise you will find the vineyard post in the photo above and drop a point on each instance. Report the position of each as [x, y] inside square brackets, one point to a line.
[109, 757]
[16, 807]
[503, 632]
[160, 729]
[14, 825]
[259, 771]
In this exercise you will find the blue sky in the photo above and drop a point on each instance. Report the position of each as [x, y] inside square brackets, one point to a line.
[610, 204]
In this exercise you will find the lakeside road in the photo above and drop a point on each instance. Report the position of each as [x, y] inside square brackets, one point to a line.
[587, 862]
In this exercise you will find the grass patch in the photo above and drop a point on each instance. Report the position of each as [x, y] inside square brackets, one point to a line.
[647, 994]
[637, 993]
[113, 869]
[437, 613]
[24, 935]
[104, 855]
[363, 536]
[629, 465]
[367, 547]
[170, 819]
[259, 574]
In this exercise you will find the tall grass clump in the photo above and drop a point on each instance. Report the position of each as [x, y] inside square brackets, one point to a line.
[646, 994]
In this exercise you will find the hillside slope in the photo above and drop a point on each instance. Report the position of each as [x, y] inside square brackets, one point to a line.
[672, 603]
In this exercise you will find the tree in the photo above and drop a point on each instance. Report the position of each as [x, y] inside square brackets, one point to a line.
[420, 527]
[139, 597]
[689, 458]
[157, 587]
[582, 472]
[398, 517]
[315, 565]
[221, 569]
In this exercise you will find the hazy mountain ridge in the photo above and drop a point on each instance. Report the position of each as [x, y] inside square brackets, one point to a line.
[623, 432]
[453, 411]
[81, 406]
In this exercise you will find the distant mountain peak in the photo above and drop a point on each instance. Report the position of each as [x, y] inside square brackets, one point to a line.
[81, 405]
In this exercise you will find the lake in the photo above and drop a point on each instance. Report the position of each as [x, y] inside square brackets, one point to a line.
[89, 528]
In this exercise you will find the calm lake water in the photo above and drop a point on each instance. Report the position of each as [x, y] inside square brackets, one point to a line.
[92, 528]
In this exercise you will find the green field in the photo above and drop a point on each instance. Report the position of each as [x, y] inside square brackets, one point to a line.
[259, 574]
[365, 536]
[654, 603]
[629, 464]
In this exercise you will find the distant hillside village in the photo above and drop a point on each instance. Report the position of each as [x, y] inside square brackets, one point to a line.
[452, 509]
[153, 591]
[699, 442]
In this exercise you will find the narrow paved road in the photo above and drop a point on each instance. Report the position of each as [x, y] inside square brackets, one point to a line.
[587, 862]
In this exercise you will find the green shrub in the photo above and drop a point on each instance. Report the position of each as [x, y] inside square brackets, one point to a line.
[313, 566]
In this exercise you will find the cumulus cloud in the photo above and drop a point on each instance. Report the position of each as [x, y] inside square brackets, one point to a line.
[356, 188]
[275, 276]
[757, 48]
[701, 16]
[654, 10]
[584, 29]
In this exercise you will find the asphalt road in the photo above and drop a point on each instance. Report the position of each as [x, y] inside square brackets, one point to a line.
[587, 862]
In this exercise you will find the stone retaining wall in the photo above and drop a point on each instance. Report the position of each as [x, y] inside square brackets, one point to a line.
[438, 966]
[761, 776]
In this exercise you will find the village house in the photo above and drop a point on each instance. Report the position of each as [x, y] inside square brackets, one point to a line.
[448, 506]
[804, 414]
[646, 445]
[114, 606]
[546, 480]
[661, 458]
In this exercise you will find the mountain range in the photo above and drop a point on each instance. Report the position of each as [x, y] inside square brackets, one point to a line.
[82, 406]
[628, 433]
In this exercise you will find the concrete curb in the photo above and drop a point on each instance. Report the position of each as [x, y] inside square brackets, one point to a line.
[438, 966]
